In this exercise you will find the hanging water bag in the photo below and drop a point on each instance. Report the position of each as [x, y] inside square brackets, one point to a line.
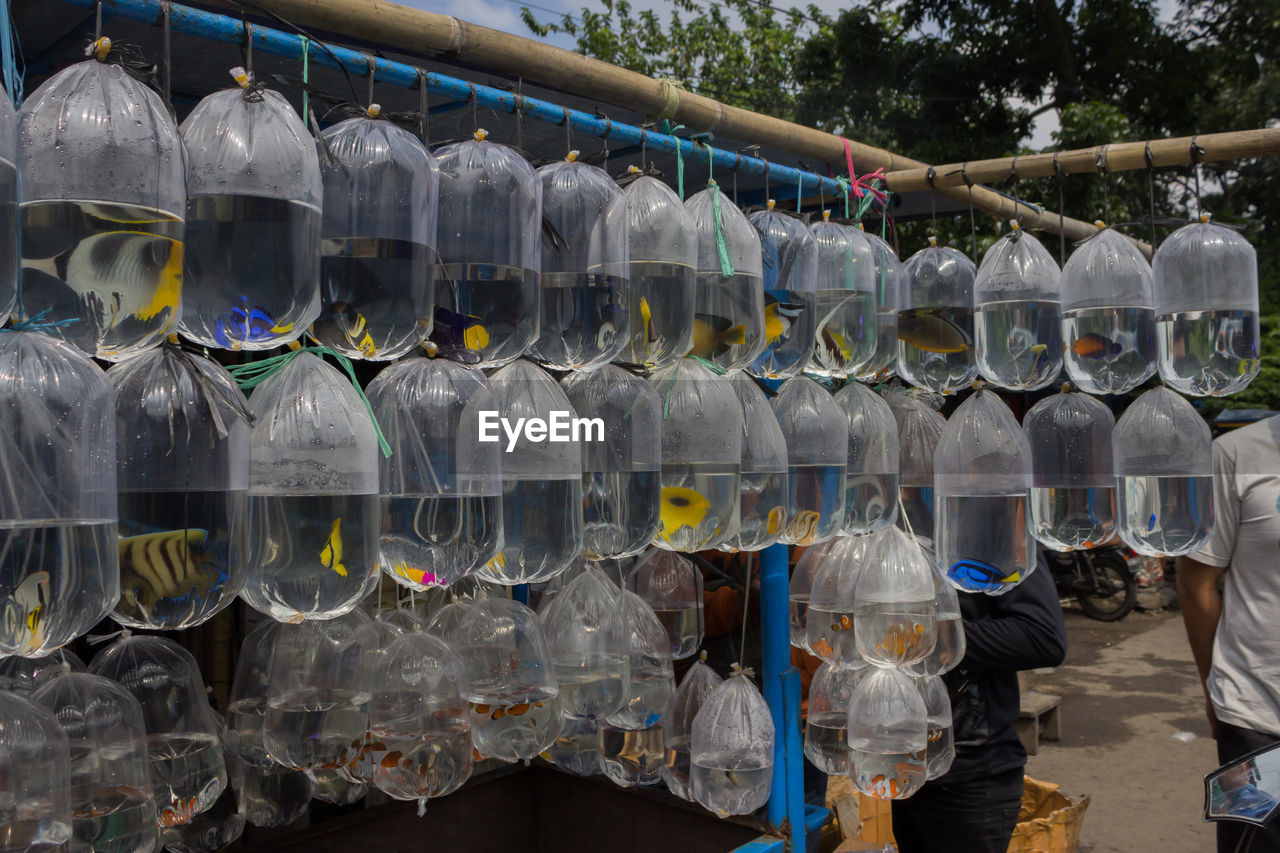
[490, 223]
[764, 487]
[935, 320]
[662, 256]
[919, 428]
[846, 301]
[731, 750]
[576, 750]
[829, 614]
[942, 745]
[247, 703]
[588, 646]
[1108, 318]
[275, 797]
[981, 475]
[10, 260]
[441, 485]
[583, 287]
[790, 267]
[26, 675]
[621, 463]
[378, 239]
[253, 220]
[816, 434]
[1206, 289]
[1073, 495]
[35, 767]
[1016, 326]
[702, 447]
[631, 750]
[103, 202]
[871, 475]
[1164, 476]
[950, 646]
[894, 613]
[888, 735]
[888, 273]
[728, 325]
[672, 585]
[801, 587]
[216, 827]
[677, 725]
[826, 723]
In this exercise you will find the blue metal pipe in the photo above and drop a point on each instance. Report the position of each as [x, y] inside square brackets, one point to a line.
[184, 19]
[782, 691]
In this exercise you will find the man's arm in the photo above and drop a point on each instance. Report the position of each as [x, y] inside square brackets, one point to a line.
[1201, 605]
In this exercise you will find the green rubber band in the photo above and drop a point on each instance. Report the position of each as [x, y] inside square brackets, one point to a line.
[306, 77]
[722, 249]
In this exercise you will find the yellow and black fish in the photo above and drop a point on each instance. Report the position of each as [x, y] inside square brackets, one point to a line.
[712, 336]
[331, 554]
[681, 507]
[932, 330]
[26, 610]
[778, 318]
[354, 327]
[171, 564]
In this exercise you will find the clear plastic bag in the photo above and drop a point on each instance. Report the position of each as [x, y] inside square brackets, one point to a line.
[588, 646]
[731, 750]
[314, 508]
[728, 326]
[1206, 300]
[112, 803]
[871, 474]
[576, 749]
[1163, 455]
[895, 612]
[216, 827]
[103, 202]
[847, 331]
[1073, 486]
[377, 282]
[672, 585]
[621, 479]
[26, 675]
[1108, 318]
[490, 224]
[982, 474]
[541, 480]
[663, 254]
[441, 486]
[826, 725]
[790, 267]
[948, 650]
[817, 442]
[677, 725]
[253, 221]
[328, 787]
[942, 746]
[888, 735]
[702, 449]
[10, 259]
[1017, 329]
[830, 614]
[247, 703]
[583, 287]
[183, 473]
[801, 587]
[762, 516]
[883, 363]
[935, 320]
[60, 574]
[631, 746]
[275, 797]
[919, 428]
[35, 767]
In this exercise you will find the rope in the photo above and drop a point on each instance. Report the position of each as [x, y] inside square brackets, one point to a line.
[671, 131]
[11, 55]
[306, 76]
[722, 248]
[746, 599]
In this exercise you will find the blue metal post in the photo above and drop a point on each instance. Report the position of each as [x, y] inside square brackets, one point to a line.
[782, 692]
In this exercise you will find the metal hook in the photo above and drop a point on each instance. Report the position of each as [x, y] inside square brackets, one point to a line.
[373, 65]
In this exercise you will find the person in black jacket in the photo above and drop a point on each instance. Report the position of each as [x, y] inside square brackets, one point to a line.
[974, 807]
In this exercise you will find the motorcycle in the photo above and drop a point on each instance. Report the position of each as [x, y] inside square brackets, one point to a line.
[1099, 580]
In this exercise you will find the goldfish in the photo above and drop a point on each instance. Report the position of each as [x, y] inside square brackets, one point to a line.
[1094, 345]
[933, 330]
[177, 813]
[682, 507]
[169, 564]
[25, 611]
[331, 554]
[712, 336]
[239, 326]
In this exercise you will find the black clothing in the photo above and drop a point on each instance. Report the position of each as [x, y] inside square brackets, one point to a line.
[963, 817]
[1235, 837]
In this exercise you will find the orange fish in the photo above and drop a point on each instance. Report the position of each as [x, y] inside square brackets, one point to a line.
[843, 625]
[178, 813]
[1094, 345]
[390, 760]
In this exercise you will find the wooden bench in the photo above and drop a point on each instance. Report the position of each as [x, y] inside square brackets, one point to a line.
[1038, 717]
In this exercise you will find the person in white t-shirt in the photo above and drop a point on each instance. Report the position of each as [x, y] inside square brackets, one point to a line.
[1235, 634]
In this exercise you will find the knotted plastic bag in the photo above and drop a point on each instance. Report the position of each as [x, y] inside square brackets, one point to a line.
[631, 750]
[846, 333]
[183, 472]
[1206, 297]
[621, 479]
[275, 797]
[677, 725]
[378, 239]
[790, 267]
[826, 724]
[489, 239]
[883, 363]
[1073, 496]
[935, 320]
[888, 735]
[832, 604]
[253, 220]
[728, 326]
[731, 750]
[541, 475]
[801, 586]
[247, 703]
[762, 517]
[10, 261]
[35, 766]
[576, 750]
[103, 203]
[942, 747]
[441, 485]
[894, 614]
[817, 441]
[919, 428]
[1108, 318]
[871, 475]
[982, 473]
[216, 827]
[949, 648]
[1017, 328]
[58, 453]
[583, 286]
[672, 585]
[112, 803]
[313, 494]
[588, 645]
[328, 787]
[26, 675]
[1164, 475]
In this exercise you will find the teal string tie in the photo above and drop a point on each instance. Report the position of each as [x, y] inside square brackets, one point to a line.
[722, 249]
[666, 398]
[11, 55]
[306, 76]
[799, 190]
[671, 131]
[884, 215]
[251, 375]
[37, 323]
[844, 192]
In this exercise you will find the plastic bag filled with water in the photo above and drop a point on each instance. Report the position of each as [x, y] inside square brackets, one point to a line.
[247, 703]
[826, 724]
[801, 587]
[883, 363]
[817, 441]
[728, 324]
[1073, 495]
[184, 736]
[1017, 330]
[588, 646]
[942, 745]
[10, 261]
[762, 516]
[441, 485]
[576, 750]
[677, 725]
[314, 508]
[541, 479]
[26, 675]
[514, 701]
[419, 720]
[275, 797]
[103, 203]
[790, 267]
[888, 735]
[1206, 289]
[935, 320]
[362, 753]
[112, 803]
[621, 468]
[253, 220]
[583, 286]
[662, 249]
[982, 474]
[631, 745]
[829, 615]
[948, 650]
[848, 313]
[919, 428]
[36, 808]
[217, 826]
[183, 473]
[702, 449]
[328, 787]
[1164, 476]
[895, 614]
[731, 750]
[672, 585]
[59, 569]
[378, 239]
[490, 227]
[871, 474]
[1108, 315]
